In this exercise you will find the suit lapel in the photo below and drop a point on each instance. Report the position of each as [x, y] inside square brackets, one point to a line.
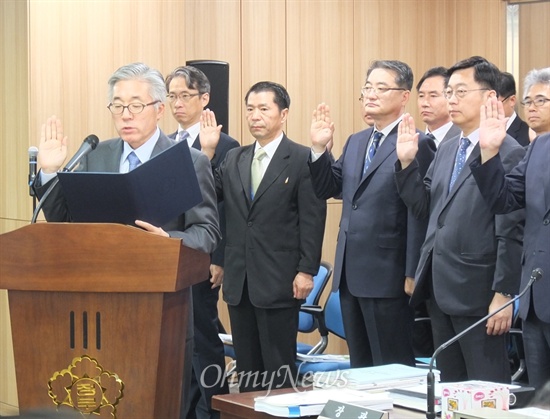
[197, 143]
[475, 154]
[362, 155]
[243, 167]
[277, 164]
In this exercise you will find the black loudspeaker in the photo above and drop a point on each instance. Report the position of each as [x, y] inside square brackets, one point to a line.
[218, 74]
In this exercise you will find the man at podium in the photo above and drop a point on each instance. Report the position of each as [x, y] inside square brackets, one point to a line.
[136, 94]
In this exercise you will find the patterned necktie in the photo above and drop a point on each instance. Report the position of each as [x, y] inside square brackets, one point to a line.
[459, 160]
[133, 160]
[372, 150]
[182, 136]
[256, 169]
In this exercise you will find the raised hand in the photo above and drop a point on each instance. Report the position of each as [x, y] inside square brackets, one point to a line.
[52, 150]
[322, 129]
[407, 141]
[492, 128]
[210, 133]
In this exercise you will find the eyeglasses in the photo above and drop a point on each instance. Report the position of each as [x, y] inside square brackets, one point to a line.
[367, 90]
[133, 108]
[506, 98]
[540, 101]
[459, 93]
[184, 97]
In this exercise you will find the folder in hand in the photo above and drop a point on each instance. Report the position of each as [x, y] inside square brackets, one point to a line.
[157, 191]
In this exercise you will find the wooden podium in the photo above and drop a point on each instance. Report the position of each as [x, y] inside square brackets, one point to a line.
[99, 314]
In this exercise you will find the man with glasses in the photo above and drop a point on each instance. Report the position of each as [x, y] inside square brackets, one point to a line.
[433, 106]
[536, 100]
[379, 239]
[470, 260]
[188, 94]
[526, 186]
[515, 126]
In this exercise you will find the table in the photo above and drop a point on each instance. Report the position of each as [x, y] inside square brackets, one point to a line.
[241, 405]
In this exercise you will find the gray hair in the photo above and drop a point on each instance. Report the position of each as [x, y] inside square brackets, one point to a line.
[541, 76]
[142, 72]
[403, 73]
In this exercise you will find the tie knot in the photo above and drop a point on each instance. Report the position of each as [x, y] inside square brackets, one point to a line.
[430, 135]
[183, 135]
[377, 137]
[259, 154]
[464, 143]
[133, 161]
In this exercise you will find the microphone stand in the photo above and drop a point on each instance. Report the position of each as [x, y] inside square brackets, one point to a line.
[430, 379]
[43, 199]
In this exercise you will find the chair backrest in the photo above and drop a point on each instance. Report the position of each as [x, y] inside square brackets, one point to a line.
[306, 323]
[334, 321]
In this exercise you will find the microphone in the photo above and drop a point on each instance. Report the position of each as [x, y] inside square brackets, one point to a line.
[89, 144]
[536, 274]
[33, 152]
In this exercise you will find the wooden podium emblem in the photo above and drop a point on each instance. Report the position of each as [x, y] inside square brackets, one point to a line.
[87, 387]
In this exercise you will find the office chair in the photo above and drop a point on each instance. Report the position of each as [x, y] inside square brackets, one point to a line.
[330, 321]
[307, 323]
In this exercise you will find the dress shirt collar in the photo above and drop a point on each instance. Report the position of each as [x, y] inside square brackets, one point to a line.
[271, 147]
[143, 152]
[511, 119]
[193, 132]
[386, 131]
[440, 132]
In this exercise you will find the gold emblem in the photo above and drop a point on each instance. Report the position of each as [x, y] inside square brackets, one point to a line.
[87, 387]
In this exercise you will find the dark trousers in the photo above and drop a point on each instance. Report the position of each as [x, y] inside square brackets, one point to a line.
[208, 360]
[476, 356]
[378, 330]
[264, 340]
[536, 341]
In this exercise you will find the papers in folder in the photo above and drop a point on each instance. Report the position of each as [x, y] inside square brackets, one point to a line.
[380, 377]
[157, 191]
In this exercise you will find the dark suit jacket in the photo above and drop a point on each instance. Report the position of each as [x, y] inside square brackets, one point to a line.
[468, 252]
[278, 234]
[527, 186]
[198, 228]
[379, 239]
[519, 130]
[225, 144]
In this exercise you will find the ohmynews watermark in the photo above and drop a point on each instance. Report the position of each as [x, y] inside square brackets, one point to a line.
[275, 379]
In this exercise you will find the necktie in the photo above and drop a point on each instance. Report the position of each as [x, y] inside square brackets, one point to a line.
[430, 135]
[459, 160]
[372, 150]
[256, 169]
[182, 136]
[133, 160]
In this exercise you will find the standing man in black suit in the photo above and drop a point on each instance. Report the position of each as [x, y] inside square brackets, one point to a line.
[275, 228]
[188, 94]
[433, 106]
[516, 127]
[470, 261]
[379, 239]
[526, 186]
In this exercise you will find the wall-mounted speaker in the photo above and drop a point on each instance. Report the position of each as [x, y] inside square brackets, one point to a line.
[218, 74]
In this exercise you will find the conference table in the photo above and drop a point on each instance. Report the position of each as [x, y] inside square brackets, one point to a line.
[241, 405]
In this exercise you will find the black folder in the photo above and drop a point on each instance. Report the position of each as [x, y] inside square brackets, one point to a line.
[158, 191]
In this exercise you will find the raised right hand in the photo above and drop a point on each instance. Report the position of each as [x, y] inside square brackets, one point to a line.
[407, 141]
[322, 129]
[52, 150]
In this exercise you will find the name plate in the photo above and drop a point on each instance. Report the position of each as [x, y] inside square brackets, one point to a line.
[339, 410]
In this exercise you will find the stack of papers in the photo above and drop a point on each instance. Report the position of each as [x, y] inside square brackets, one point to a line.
[380, 377]
[309, 403]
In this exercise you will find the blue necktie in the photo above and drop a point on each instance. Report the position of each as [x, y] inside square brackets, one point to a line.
[459, 160]
[372, 150]
[133, 160]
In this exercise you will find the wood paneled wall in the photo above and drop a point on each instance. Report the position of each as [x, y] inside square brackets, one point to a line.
[56, 58]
